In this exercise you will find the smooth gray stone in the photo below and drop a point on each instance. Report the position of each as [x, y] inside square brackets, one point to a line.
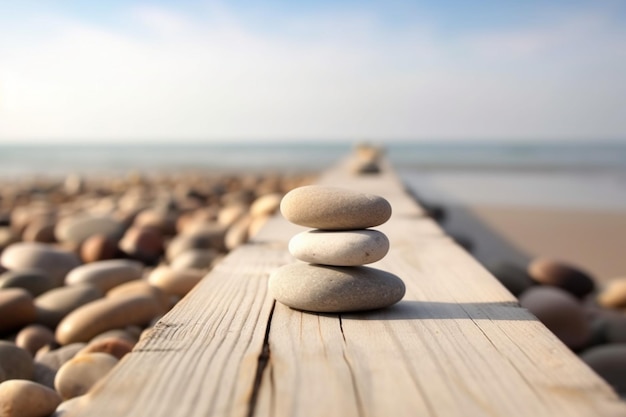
[30, 255]
[333, 208]
[339, 248]
[78, 229]
[34, 281]
[105, 275]
[334, 289]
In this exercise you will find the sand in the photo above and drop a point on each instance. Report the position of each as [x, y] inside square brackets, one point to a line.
[594, 240]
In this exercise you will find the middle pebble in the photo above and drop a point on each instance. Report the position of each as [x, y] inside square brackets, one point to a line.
[339, 248]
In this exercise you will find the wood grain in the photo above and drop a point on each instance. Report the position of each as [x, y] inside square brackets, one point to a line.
[457, 345]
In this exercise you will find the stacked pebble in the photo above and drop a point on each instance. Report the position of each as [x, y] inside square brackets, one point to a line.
[89, 265]
[329, 276]
[589, 320]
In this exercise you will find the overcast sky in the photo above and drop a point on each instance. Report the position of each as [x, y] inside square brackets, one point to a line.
[314, 70]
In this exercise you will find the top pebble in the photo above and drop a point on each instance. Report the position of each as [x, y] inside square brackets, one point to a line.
[333, 208]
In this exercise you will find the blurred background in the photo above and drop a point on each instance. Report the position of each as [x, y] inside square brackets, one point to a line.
[509, 117]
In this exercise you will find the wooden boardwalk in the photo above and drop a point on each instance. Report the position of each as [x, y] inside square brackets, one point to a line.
[457, 344]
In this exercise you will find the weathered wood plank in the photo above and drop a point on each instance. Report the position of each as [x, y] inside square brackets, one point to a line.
[458, 344]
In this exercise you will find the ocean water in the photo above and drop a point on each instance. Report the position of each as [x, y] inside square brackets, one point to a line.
[535, 174]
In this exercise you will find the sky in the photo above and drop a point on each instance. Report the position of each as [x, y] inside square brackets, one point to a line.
[207, 71]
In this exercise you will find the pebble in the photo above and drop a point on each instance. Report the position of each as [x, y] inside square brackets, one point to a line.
[55, 304]
[78, 375]
[33, 337]
[614, 294]
[237, 233]
[141, 287]
[31, 255]
[78, 228]
[98, 248]
[569, 278]
[266, 205]
[195, 259]
[333, 208]
[114, 346]
[34, 281]
[175, 281]
[54, 359]
[16, 362]
[328, 289]
[560, 312]
[123, 334]
[231, 213]
[513, 277]
[93, 318]
[16, 309]
[339, 248]
[105, 275]
[40, 230]
[143, 243]
[69, 405]
[19, 398]
[609, 361]
[198, 236]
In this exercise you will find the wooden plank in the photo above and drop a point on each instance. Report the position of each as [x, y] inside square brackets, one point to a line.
[458, 343]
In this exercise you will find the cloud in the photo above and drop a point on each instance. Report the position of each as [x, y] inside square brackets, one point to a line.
[169, 75]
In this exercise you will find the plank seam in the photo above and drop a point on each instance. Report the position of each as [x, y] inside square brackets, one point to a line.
[355, 388]
[263, 361]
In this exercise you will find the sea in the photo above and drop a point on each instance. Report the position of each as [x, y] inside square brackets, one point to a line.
[587, 175]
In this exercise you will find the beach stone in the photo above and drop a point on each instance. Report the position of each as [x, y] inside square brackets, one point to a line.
[339, 248]
[20, 398]
[614, 294]
[7, 237]
[615, 329]
[77, 229]
[550, 272]
[105, 275]
[513, 277]
[560, 312]
[266, 204]
[78, 375]
[175, 281]
[122, 334]
[195, 259]
[69, 405]
[32, 255]
[98, 248]
[333, 208]
[34, 281]
[116, 347]
[40, 230]
[54, 305]
[231, 213]
[197, 236]
[162, 220]
[608, 361]
[16, 362]
[141, 287]
[333, 289]
[256, 224]
[16, 309]
[143, 243]
[237, 233]
[33, 337]
[54, 359]
[43, 375]
[91, 319]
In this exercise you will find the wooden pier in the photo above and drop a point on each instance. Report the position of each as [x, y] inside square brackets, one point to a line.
[458, 344]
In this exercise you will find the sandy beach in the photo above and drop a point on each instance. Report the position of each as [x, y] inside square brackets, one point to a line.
[515, 216]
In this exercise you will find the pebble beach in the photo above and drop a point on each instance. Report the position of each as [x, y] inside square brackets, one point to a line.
[90, 261]
[89, 264]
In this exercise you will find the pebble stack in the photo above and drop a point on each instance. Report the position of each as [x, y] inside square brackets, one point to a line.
[329, 276]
